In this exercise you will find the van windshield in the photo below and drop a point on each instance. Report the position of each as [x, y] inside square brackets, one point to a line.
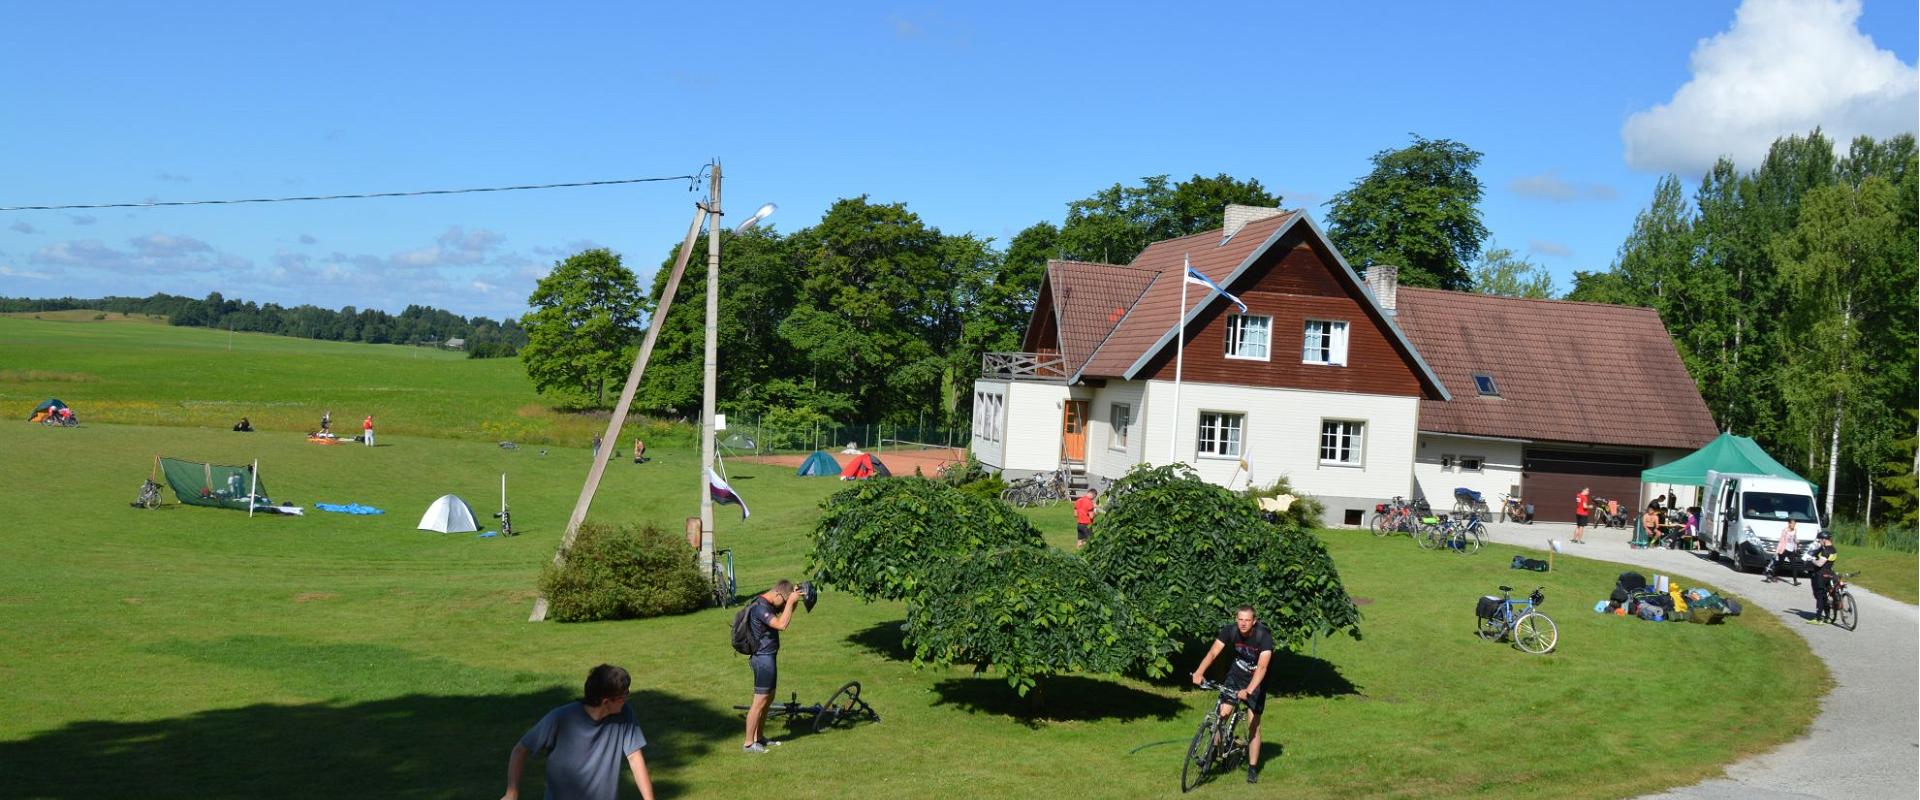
[1783, 507]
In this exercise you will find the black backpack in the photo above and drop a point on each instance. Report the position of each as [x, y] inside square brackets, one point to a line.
[744, 642]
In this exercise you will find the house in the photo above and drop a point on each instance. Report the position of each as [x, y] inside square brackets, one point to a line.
[1316, 380]
[455, 344]
[1550, 396]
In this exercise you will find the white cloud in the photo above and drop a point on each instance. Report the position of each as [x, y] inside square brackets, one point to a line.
[1550, 186]
[23, 227]
[455, 247]
[161, 245]
[155, 253]
[1546, 248]
[172, 178]
[83, 219]
[1785, 67]
[10, 272]
[307, 238]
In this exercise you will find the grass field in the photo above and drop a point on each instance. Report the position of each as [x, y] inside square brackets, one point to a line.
[188, 652]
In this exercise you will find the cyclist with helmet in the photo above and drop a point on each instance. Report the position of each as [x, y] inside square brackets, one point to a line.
[1822, 557]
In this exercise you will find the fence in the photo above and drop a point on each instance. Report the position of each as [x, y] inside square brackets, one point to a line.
[757, 437]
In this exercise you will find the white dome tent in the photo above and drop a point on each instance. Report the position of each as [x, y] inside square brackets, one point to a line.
[449, 514]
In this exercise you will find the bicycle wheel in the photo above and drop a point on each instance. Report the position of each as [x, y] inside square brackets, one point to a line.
[1535, 633]
[1470, 542]
[1382, 524]
[1426, 536]
[840, 706]
[1845, 613]
[1490, 629]
[1199, 754]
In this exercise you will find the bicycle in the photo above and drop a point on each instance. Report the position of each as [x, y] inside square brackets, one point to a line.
[1218, 743]
[1462, 537]
[1504, 617]
[843, 706]
[1841, 610]
[1514, 509]
[1042, 489]
[720, 579]
[1397, 516]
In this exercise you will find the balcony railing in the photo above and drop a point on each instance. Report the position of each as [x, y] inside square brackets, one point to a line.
[1051, 367]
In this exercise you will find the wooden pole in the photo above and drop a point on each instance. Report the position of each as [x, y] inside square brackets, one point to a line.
[254, 487]
[620, 410]
[709, 373]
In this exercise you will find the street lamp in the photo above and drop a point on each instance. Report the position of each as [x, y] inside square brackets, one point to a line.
[709, 379]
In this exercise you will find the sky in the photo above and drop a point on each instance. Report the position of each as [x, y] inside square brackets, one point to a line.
[983, 118]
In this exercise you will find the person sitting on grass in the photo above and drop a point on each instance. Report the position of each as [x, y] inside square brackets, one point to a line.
[585, 742]
[639, 452]
[244, 426]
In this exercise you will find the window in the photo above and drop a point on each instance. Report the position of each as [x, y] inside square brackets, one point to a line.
[1341, 442]
[1220, 434]
[1484, 382]
[986, 415]
[1247, 337]
[1470, 463]
[1325, 343]
[1121, 416]
[1446, 463]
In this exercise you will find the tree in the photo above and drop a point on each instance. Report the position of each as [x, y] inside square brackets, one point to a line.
[1187, 552]
[759, 281]
[1418, 209]
[585, 317]
[1507, 274]
[878, 539]
[1114, 224]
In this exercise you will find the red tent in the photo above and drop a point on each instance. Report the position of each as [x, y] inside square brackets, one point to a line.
[864, 466]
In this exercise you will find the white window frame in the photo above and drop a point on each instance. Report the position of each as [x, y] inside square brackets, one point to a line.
[1117, 430]
[1332, 342]
[1355, 433]
[1491, 383]
[986, 412]
[1479, 464]
[1225, 447]
[1237, 325]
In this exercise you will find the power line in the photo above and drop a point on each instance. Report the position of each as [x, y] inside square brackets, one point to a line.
[421, 193]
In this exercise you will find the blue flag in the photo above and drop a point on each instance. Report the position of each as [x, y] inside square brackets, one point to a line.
[1194, 276]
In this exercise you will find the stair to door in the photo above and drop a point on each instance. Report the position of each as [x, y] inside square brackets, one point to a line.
[1076, 477]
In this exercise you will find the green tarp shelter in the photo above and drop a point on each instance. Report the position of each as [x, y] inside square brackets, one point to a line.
[52, 402]
[1728, 453]
[819, 465]
[214, 485]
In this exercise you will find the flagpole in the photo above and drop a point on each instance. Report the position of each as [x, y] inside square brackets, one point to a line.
[1179, 362]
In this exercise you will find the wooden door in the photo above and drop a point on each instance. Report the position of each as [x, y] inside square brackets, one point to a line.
[1073, 432]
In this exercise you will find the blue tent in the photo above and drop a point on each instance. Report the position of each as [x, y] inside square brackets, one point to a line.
[819, 465]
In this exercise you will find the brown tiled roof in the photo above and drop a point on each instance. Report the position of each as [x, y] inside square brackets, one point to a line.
[1158, 307]
[1089, 299]
[1569, 372]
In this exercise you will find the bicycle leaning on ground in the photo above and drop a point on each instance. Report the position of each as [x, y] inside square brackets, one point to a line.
[1504, 617]
[1219, 743]
[1463, 536]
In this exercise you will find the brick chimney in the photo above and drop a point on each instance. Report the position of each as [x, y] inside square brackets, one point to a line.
[1384, 282]
[1238, 216]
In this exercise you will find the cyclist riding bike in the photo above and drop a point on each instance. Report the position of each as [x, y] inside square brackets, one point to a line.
[1252, 647]
[1821, 558]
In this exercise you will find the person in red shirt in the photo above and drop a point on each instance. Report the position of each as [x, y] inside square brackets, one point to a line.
[1582, 508]
[367, 426]
[1083, 514]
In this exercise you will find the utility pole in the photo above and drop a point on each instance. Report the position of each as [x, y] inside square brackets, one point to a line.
[711, 364]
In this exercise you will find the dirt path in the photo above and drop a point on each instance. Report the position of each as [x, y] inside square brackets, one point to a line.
[1866, 741]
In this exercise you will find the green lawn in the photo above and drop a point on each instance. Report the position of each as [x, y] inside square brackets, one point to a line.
[1894, 573]
[189, 652]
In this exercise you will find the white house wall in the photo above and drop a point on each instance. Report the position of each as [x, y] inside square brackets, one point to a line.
[1103, 461]
[1499, 472]
[1282, 438]
[1035, 411]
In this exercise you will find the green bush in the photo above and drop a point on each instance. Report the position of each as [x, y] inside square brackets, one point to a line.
[877, 538]
[624, 572]
[1029, 612]
[1306, 511]
[1187, 552]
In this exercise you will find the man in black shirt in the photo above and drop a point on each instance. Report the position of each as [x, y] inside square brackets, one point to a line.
[1252, 647]
[1821, 559]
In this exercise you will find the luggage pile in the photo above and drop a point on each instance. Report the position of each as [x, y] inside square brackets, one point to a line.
[1665, 601]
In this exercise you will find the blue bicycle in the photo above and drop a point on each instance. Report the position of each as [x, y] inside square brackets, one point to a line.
[1520, 620]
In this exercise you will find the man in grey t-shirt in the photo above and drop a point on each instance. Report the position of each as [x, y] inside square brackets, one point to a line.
[585, 742]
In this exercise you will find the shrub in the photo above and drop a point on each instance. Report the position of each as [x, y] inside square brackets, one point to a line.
[877, 538]
[624, 572]
[1306, 510]
[1030, 612]
[1187, 552]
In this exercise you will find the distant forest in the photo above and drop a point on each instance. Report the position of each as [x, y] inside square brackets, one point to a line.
[416, 325]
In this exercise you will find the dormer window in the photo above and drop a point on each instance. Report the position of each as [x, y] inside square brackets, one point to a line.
[1483, 382]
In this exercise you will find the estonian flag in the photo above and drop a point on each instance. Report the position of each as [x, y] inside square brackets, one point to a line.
[1194, 276]
[724, 494]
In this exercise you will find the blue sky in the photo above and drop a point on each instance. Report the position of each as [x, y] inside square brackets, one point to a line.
[984, 118]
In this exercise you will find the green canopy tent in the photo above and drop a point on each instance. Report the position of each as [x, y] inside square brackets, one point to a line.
[1727, 453]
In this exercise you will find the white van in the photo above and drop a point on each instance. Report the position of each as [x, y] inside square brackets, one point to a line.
[1744, 515]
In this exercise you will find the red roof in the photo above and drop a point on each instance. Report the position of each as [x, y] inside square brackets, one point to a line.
[1565, 371]
[1089, 299]
[1158, 308]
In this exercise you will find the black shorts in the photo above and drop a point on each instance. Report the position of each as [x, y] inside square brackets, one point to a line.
[766, 673]
[1084, 530]
[1580, 520]
[1256, 700]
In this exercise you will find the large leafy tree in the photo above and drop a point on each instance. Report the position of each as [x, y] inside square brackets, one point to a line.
[584, 321]
[1508, 274]
[878, 540]
[759, 279]
[1419, 209]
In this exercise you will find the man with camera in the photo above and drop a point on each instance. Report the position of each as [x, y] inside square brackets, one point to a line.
[765, 625]
[1252, 647]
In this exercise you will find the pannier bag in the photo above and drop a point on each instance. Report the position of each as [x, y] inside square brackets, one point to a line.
[1488, 608]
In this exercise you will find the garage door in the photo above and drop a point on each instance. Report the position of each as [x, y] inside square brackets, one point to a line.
[1552, 477]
